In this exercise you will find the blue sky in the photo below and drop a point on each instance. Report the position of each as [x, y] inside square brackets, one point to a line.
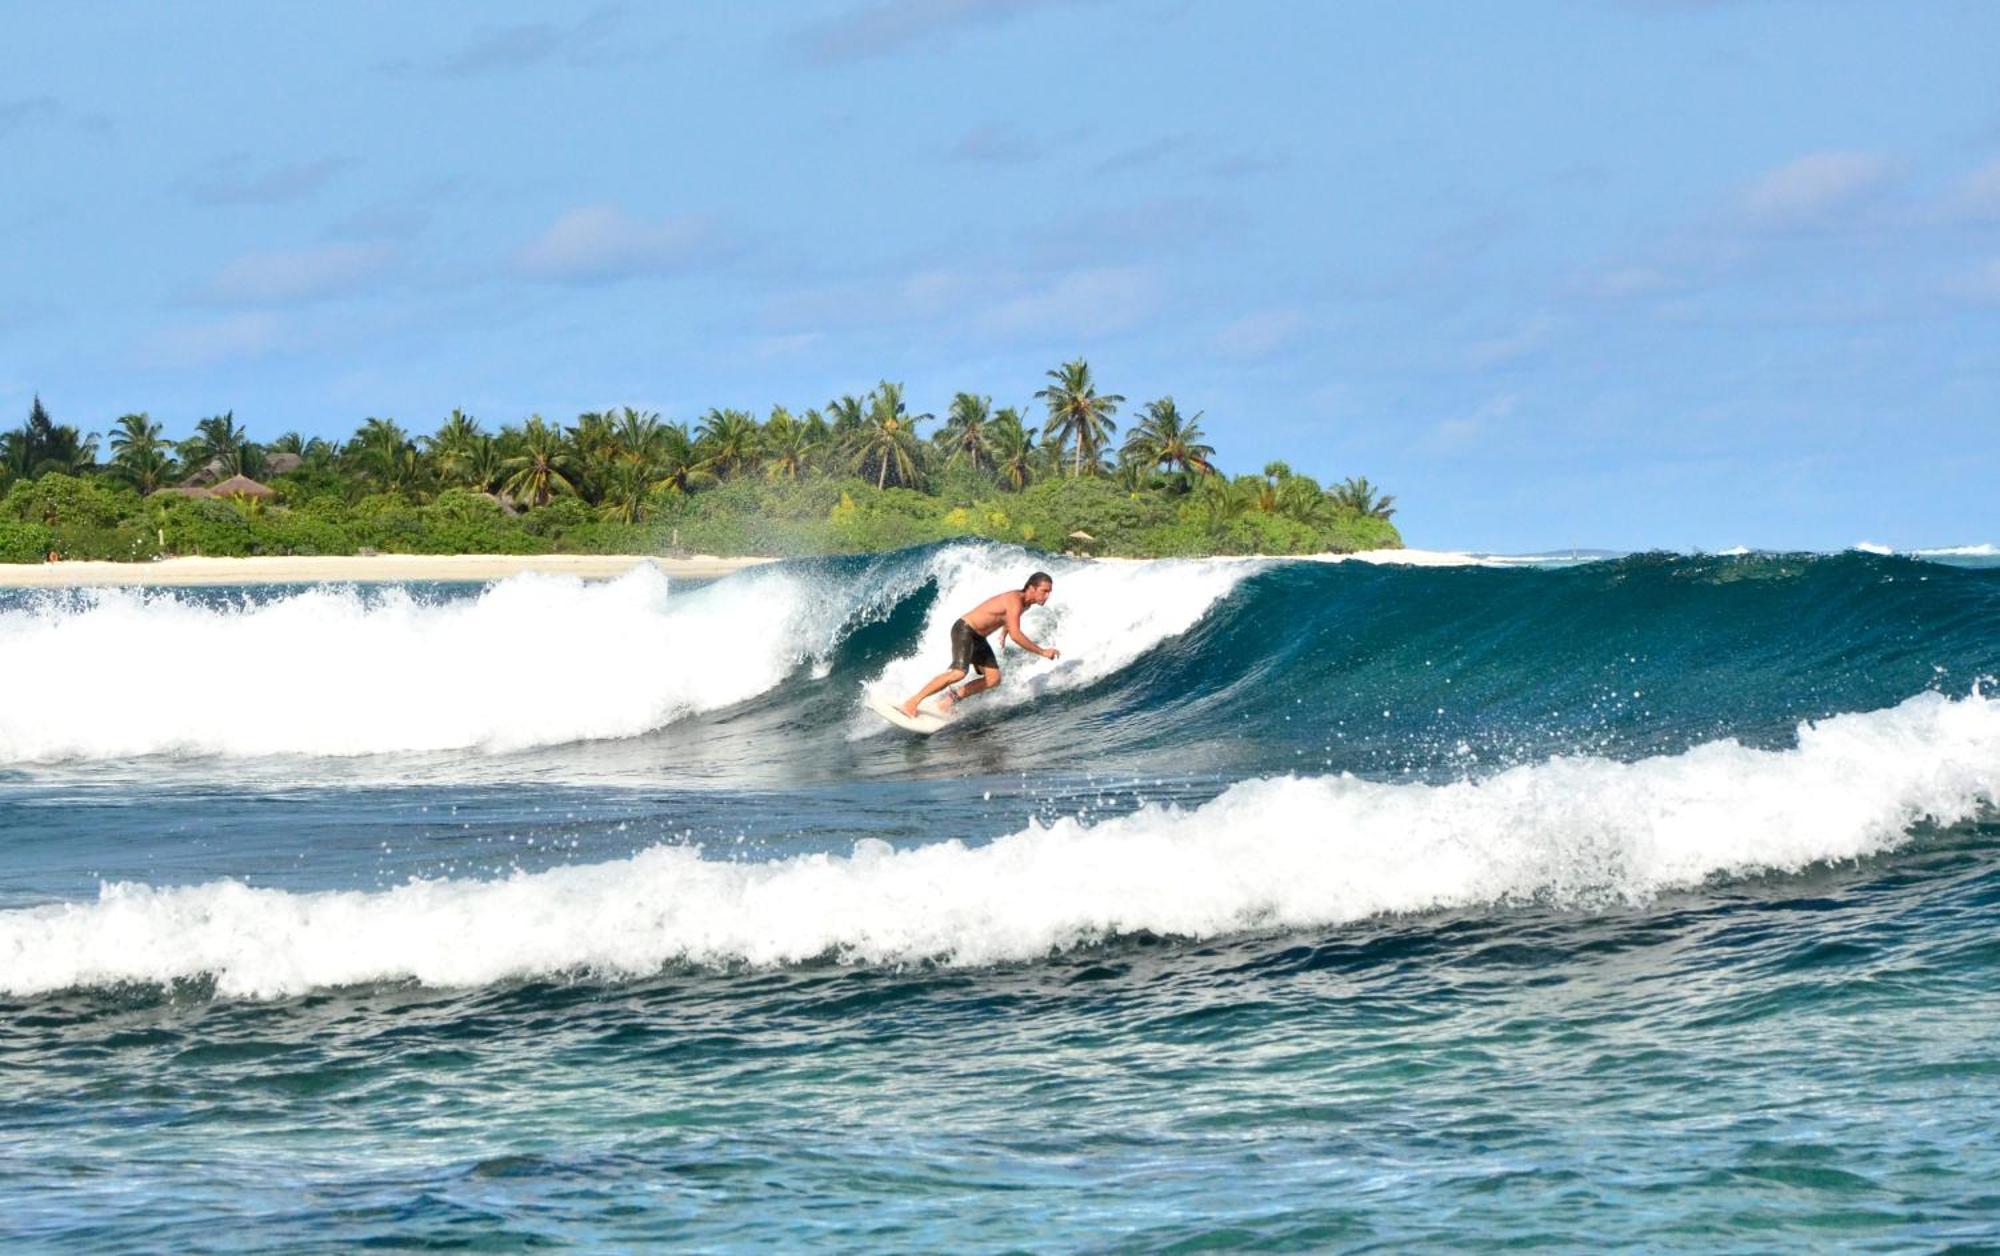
[1622, 273]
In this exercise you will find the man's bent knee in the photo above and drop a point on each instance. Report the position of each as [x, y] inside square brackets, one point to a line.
[991, 675]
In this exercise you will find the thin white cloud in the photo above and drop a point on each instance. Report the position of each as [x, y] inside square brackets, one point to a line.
[26, 112]
[995, 145]
[591, 40]
[1978, 194]
[889, 26]
[1816, 188]
[1012, 304]
[1511, 346]
[1464, 433]
[1257, 336]
[602, 243]
[1094, 302]
[237, 338]
[1623, 282]
[232, 181]
[297, 277]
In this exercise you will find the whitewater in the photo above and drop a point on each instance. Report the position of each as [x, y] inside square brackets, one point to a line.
[1421, 904]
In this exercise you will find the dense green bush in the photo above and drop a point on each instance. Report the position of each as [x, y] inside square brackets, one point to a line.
[83, 518]
[24, 542]
[65, 500]
[203, 525]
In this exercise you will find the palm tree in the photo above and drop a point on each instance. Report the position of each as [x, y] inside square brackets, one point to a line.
[887, 440]
[788, 446]
[624, 493]
[219, 445]
[1164, 439]
[679, 466]
[450, 448]
[383, 452]
[1078, 413]
[968, 431]
[544, 466]
[1016, 459]
[139, 456]
[731, 441]
[635, 437]
[1217, 500]
[848, 413]
[1361, 497]
[314, 452]
[484, 464]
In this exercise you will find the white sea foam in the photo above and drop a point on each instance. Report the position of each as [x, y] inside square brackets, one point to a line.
[1271, 854]
[533, 660]
[1101, 618]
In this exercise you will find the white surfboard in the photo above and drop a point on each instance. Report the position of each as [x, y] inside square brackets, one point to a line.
[927, 721]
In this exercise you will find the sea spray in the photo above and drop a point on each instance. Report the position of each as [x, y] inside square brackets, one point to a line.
[1278, 853]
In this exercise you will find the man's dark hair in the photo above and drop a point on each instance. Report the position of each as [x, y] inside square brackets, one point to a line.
[1040, 577]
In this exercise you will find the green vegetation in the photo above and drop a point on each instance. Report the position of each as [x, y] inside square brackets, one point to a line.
[854, 476]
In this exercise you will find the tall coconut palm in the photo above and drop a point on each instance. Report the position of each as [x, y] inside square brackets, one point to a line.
[846, 413]
[1217, 500]
[967, 434]
[1079, 414]
[450, 447]
[1361, 497]
[680, 466]
[635, 437]
[624, 498]
[542, 468]
[1165, 439]
[788, 446]
[383, 453]
[221, 447]
[887, 439]
[139, 456]
[593, 447]
[730, 441]
[313, 452]
[1016, 460]
[484, 466]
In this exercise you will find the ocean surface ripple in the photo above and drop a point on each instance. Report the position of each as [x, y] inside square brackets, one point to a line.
[1639, 902]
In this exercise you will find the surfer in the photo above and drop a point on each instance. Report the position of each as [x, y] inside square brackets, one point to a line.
[969, 647]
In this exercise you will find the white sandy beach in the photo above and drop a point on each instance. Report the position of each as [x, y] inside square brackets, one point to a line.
[351, 568]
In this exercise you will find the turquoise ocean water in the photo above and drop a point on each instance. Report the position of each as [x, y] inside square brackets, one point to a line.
[1647, 902]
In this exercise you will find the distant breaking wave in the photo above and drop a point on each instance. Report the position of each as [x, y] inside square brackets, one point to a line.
[1271, 854]
[532, 661]
[1282, 663]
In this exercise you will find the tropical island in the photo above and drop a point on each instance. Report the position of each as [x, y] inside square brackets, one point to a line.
[853, 476]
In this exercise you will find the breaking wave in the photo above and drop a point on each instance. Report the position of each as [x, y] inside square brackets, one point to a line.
[1278, 853]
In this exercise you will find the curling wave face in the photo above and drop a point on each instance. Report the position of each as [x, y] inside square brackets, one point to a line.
[1276, 853]
[1242, 667]
[531, 661]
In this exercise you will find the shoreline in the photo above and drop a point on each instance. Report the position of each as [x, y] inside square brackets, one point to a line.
[393, 568]
[353, 568]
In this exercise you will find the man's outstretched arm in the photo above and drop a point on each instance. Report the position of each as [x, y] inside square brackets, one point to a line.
[1021, 638]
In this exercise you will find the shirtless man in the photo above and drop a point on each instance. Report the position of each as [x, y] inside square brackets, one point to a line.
[969, 647]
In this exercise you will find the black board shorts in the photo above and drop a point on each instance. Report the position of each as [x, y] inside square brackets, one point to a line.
[969, 649]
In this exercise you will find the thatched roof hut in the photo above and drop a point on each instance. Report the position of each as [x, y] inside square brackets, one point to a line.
[241, 486]
[182, 490]
[282, 462]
